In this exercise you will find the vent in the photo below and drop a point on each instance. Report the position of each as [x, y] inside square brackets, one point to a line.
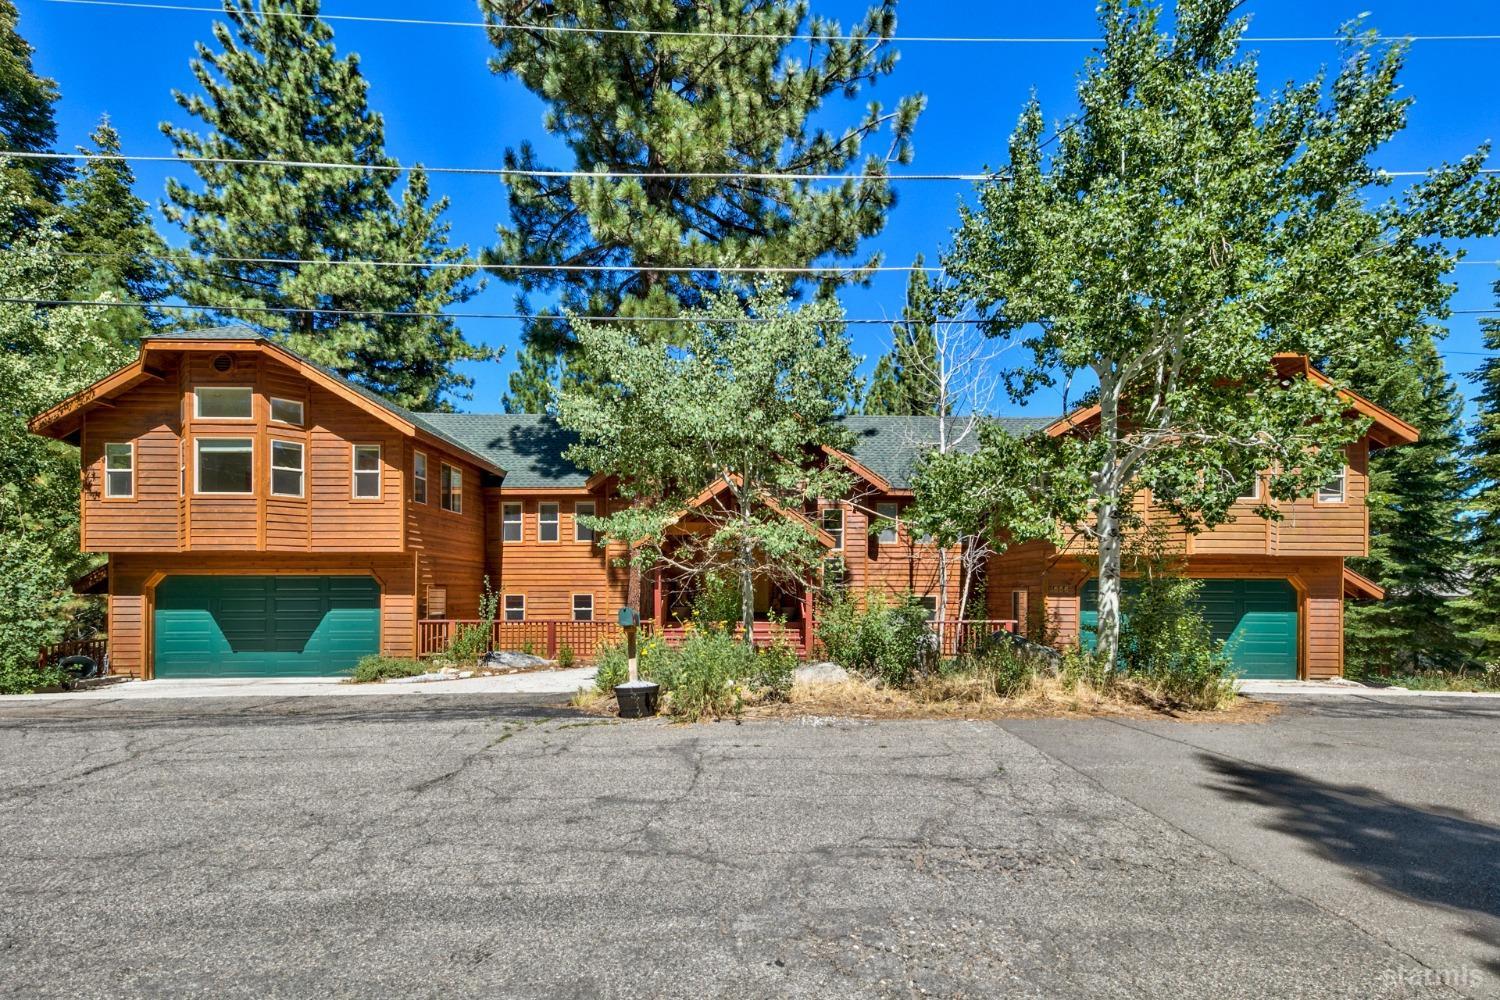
[223, 364]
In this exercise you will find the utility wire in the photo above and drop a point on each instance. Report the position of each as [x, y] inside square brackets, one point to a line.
[747, 35]
[545, 317]
[398, 168]
[480, 265]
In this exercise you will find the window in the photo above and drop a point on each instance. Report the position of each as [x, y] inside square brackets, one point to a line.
[286, 411]
[929, 603]
[888, 513]
[1333, 490]
[452, 488]
[515, 607]
[367, 471]
[222, 402]
[833, 573]
[583, 607]
[286, 469]
[418, 477]
[119, 470]
[546, 522]
[581, 531]
[833, 523]
[225, 465]
[1251, 489]
[510, 520]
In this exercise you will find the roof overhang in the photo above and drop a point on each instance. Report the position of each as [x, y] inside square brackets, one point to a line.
[1386, 429]
[63, 420]
[718, 487]
[1361, 587]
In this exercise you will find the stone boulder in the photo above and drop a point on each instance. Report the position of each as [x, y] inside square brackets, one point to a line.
[504, 660]
[825, 672]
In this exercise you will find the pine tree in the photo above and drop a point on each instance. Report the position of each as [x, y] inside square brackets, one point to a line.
[1478, 608]
[277, 89]
[692, 100]
[1417, 540]
[905, 382]
[121, 255]
[27, 125]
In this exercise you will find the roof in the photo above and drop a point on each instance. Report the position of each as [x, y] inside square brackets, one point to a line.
[530, 448]
[891, 446]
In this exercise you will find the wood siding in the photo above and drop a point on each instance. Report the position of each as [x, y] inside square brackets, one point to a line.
[449, 547]
[550, 573]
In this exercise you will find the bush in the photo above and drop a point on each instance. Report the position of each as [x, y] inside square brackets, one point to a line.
[1167, 644]
[1008, 673]
[379, 668]
[894, 644]
[473, 641]
[711, 674]
[566, 657]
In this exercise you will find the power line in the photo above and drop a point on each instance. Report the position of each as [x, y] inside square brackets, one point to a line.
[576, 29]
[551, 318]
[399, 168]
[480, 265]
[397, 314]
[474, 264]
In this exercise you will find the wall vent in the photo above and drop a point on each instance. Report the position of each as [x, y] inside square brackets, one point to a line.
[223, 364]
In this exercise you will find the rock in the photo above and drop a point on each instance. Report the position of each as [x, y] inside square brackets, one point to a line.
[825, 672]
[512, 661]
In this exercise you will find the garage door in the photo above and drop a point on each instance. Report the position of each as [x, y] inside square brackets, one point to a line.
[264, 626]
[1257, 619]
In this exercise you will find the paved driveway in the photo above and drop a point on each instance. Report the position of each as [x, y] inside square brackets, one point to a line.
[443, 845]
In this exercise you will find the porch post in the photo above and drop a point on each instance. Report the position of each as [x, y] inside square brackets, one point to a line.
[807, 620]
[656, 598]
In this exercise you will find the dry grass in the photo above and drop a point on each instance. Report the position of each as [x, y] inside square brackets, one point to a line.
[970, 698]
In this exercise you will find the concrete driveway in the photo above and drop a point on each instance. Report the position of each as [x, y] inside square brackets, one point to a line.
[491, 845]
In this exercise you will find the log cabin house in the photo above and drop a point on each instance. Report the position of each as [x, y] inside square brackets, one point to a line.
[261, 516]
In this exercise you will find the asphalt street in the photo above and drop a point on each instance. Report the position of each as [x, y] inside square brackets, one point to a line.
[497, 846]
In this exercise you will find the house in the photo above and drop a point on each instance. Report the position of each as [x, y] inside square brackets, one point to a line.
[262, 516]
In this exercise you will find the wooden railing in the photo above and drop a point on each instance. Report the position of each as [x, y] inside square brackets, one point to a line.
[542, 638]
[549, 638]
[94, 649]
[763, 634]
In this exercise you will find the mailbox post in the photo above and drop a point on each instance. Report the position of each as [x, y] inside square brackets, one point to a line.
[636, 698]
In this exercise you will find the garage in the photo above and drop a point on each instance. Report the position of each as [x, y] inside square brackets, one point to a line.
[1256, 619]
[264, 626]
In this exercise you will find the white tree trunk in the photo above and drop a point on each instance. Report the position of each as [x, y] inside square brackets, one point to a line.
[1108, 628]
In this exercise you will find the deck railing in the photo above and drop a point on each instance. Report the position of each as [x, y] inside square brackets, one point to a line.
[94, 649]
[543, 638]
[549, 638]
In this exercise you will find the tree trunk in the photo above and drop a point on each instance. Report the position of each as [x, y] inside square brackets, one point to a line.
[747, 573]
[1108, 628]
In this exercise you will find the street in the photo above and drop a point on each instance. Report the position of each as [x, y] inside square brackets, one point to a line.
[505, 846]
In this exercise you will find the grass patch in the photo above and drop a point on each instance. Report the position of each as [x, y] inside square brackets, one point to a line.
[380, 668]
[1435, 680]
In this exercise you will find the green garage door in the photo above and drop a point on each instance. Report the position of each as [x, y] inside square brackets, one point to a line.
[1257, 619]
[264, 626]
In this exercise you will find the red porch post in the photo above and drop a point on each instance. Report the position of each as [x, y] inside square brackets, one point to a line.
[657, 600]
[807, 620]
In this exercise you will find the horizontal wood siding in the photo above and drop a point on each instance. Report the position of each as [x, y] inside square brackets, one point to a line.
[450, 547]
[150, 417]
[550, 573]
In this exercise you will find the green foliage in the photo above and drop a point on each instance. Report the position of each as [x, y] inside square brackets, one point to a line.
[1086, 668]
[717, 601]
[470, 642]
[1417, 538]
[891, 642]
[380, 668]
[906, 381]
[566, 658]
[736, 406]
[33, 594]
[1185, 228]
[1168, 644]
[1479, 608]
[1005, 670]
[711, 674]
[686, 101]
[275, 88]
[27, 124]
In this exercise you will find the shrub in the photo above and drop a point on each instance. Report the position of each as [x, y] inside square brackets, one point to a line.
[379, 668]
[892, 643]
[473, 641]
[1008, 673]
[1085, 668]
[612, 666]
[711, 669]
[1167, 644]
[566, 657]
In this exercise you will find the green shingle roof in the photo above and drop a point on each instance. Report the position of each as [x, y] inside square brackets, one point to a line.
[890, 446]
[531, 448]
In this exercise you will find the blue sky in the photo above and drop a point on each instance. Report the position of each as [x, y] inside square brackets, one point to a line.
[442, 106]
